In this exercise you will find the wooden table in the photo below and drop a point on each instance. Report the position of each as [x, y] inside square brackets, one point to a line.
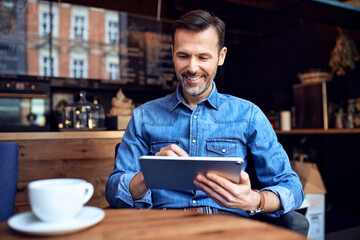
[169, 224]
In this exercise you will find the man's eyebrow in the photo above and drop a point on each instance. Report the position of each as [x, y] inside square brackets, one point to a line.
[199, 54]
[205, 54]
[180, 52]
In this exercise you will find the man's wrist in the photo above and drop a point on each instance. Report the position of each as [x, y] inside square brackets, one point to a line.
[261, 205]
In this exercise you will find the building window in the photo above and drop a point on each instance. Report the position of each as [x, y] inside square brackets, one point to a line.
[113, 32]
[112, 27]
[48, 21]
[48, 65]
[78, 66]
[79, 23]
[113, 68]
[114, 71]
[79, 26]
[8, 15]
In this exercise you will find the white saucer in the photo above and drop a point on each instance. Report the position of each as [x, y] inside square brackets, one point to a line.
[28, 223]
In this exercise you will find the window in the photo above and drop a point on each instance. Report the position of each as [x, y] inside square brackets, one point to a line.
[79, 23]
[112, 27]
[79, 27]
[114, 71]
[46, 18]
[113, 32]
[78, 65]
[113, 68]
[48, 65]
[8, 21]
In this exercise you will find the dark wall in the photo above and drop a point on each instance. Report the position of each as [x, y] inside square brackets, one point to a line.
[266, 47]
[264, 69]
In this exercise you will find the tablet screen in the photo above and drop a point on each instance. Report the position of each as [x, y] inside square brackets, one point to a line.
[178, 173]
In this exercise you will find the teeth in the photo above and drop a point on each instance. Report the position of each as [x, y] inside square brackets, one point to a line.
[193, 78]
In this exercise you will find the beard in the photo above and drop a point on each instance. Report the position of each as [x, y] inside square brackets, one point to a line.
[195, 89]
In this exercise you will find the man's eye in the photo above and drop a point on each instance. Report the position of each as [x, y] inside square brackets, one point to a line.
[182, 56]
[204, 58]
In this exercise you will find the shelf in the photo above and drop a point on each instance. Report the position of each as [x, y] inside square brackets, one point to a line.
[318, 131]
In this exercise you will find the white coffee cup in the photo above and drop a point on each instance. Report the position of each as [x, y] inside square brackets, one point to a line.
[61, 199]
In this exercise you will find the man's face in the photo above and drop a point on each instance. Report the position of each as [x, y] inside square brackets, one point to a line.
[196, 57]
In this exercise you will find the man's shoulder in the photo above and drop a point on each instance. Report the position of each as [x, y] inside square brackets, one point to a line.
[157, 103]
[228, 99]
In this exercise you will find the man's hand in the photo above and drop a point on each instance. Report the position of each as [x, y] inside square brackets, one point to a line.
[137, 185]
[233, 195]
[172, 150]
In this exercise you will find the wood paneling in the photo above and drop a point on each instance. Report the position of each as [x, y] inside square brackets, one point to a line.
[60, 156]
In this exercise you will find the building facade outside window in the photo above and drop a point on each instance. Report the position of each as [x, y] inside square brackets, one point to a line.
[112, 67]
[48, 65]
[78, 65]
[45, 16]
[112, 27]
[79, 23]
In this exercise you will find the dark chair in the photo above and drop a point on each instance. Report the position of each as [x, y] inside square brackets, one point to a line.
[9, 166]
[293, 220]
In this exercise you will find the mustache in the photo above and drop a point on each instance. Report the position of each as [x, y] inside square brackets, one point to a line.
[190, 74]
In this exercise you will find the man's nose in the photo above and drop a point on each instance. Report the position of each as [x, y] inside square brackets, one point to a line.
[193, 65]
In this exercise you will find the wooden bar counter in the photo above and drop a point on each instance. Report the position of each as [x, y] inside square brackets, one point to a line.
[73, 154]
[170, 224]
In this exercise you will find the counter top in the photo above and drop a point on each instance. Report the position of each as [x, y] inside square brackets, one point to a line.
[8, 136]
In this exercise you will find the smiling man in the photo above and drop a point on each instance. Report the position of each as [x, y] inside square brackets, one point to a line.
[196, 56]
[197, 120]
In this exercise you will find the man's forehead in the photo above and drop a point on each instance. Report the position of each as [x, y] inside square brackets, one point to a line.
[204, 33]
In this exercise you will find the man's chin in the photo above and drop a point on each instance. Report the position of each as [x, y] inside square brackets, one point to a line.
[193, 91]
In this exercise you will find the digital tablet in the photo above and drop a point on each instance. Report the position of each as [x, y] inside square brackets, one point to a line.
[178, 173]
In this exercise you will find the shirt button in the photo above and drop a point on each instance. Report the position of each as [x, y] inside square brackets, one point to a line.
[195, 116]
[223, 150]
[194, 141]
[193, 201]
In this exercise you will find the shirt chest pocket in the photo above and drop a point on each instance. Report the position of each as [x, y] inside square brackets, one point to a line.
[225, 148]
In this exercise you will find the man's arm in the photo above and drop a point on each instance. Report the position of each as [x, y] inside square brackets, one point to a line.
[137, 185]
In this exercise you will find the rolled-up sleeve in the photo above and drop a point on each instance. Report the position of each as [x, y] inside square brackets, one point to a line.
[126, 167]
[272, 164]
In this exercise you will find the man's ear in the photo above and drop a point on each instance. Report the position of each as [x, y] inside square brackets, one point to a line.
[222, 56]
[172, 49]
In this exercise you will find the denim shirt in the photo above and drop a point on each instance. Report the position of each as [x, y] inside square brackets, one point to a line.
[220, 125]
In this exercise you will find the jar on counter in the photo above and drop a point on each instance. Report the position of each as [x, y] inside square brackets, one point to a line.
[81, 115]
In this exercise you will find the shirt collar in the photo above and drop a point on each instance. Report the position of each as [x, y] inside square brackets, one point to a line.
[212, 99]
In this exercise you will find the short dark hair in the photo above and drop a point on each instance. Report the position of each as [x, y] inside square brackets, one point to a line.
[199, 20]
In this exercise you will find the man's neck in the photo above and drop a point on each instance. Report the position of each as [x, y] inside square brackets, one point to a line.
[192, 101]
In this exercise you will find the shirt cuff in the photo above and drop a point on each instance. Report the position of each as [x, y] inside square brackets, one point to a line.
[286, 199]
[123, 193]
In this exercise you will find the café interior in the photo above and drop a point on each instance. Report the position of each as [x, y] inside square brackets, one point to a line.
[297, 60]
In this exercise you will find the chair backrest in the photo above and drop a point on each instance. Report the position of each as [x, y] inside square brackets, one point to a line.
[9, 167]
